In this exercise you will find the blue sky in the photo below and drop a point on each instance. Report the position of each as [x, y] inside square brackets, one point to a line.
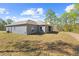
[22, 11]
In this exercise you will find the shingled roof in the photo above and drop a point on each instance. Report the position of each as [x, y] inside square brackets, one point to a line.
[27, 22]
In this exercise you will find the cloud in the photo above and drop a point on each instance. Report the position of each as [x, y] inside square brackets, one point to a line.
[28, 12]
[33, 11]
[40, 11]
[11, 17]
[16, 19]
[28, 18]
[7, 17]
[69, 8]
[3, 11]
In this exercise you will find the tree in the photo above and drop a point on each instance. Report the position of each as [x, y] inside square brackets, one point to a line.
[74, 15]
[9, 21]
[77, 15]
[51, 17]
[64, 21]
[76, 6]
[2, 24]
[68, 20]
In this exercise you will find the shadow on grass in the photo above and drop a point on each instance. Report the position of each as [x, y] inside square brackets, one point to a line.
[37, 33]
[53, 32]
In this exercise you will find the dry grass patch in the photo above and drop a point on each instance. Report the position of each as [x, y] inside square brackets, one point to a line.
[47, 44]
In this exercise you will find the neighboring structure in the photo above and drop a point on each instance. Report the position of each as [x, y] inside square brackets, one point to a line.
[29, 27]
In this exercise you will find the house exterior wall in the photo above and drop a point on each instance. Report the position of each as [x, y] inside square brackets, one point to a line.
[41, 29]
[31, 29]
[13, 28]
[9, 29]
[17, 29]
[28, 29]
[46, 29]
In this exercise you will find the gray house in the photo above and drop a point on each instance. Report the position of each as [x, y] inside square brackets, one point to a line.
[29, 27]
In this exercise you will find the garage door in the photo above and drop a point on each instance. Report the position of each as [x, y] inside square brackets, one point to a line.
[20, 29]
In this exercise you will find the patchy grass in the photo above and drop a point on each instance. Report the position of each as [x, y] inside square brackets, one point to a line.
[36, 45]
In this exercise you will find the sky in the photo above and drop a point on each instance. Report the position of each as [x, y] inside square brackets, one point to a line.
[35, 11]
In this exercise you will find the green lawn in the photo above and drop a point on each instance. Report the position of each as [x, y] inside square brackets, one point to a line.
[47, 44]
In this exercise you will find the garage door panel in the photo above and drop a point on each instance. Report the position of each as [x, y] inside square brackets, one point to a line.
[20, 29]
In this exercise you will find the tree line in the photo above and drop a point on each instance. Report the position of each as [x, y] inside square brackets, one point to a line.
[67, 21]
[4, 22]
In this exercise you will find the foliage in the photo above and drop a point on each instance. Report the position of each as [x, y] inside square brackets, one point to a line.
[9, 21]
[51, 18]
[70, 19]
[4, 22]
[67, 21]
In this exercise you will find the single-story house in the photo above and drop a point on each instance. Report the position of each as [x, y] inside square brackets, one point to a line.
[29, 27]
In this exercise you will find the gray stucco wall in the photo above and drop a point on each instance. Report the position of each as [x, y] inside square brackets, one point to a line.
[17, 29]
[41, 29]
[28, 29]
[46, 29]
[31, 29]
[36, 29]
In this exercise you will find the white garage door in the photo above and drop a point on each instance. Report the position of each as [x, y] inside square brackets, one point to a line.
[20, 29]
